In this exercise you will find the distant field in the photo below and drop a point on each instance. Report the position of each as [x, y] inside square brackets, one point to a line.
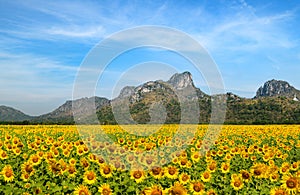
[149, 159]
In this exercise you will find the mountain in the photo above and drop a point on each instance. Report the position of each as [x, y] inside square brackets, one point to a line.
[176, 100]
[136, 104]
[12, 115]
[64, 114]
[274, 88]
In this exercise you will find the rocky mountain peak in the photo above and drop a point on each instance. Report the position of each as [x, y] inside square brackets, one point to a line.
[276, 88]
[126, 92]
[182, 80]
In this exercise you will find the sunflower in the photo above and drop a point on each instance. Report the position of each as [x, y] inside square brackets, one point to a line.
[206, 176]
[284, 169]
[184, 178]
[130, 158]
[295, 166]
[17, 151]
[212, 166]
[138, 175]
[27, 167]
[274, 177]
[100, 160]
[54, 167]
[89, 177]
[106, 171]
[177, 189]
[63, 165]
[80, 151]
[25, 176]
[278, 191]
[72, 161]
[197, 188]
[157, 172]
[35, 159]
[246, 176]
[72, 171]
[154, 190]
[8, 173]
[149, 160]
[291, 183]
[3, 155]
[171, 172]
[82, 190]
[236, 182]
[211, 192]
[225, 167]
[195, 156]
[66, 153]
[185, 163]
[84, 163]
[258, 170]
[105, 189]
[227, 157]
[55, 152]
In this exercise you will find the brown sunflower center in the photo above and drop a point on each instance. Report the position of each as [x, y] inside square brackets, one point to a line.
[8, 173]
[245, 175]
[90, 176]
[291, 183]
[185, 177]
[237, 184]
[183, 162]
[156, 192]
[106, 170]
[156, 170]
[137, 174]
[28, 169]
[257, 172]
[177, 191]
[212, 167]
[172, 171]
[35, 159]
[206, 175]
[149, 161]
[197, 187]
[82, 192]
[85, 164]
[106, 191]
[72, 170]
[279, 192]
[26, 176]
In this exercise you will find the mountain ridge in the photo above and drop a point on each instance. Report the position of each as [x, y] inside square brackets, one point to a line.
[169, 92]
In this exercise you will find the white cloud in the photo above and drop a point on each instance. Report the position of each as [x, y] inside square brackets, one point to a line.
[248, 32]
[77, 31]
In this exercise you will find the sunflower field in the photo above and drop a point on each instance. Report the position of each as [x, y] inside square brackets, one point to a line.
[57, 159]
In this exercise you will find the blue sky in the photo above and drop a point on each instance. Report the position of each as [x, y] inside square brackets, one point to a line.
[42, 44]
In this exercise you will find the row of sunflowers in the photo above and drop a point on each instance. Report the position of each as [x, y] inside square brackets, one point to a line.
[59, 159]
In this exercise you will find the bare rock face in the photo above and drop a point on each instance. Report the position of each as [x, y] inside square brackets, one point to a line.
[126, 92]
[179, 84]
[181, 81]
[277, 88]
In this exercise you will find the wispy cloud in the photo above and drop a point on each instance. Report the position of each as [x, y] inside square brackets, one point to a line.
[77, 31]
[248, 32]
